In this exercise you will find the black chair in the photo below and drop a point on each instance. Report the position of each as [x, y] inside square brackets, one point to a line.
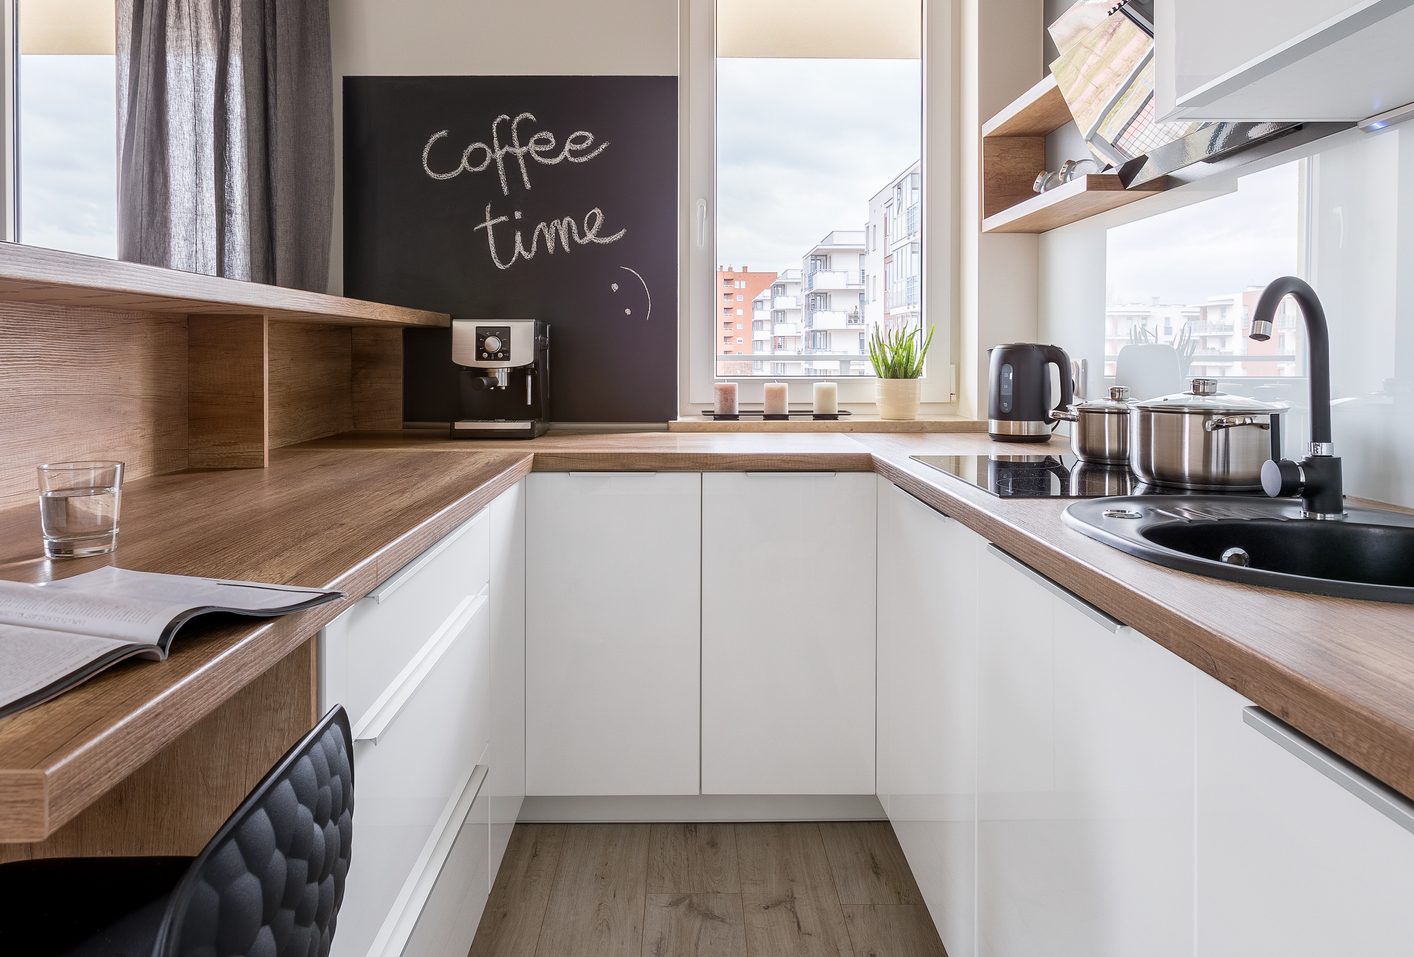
[269, 884]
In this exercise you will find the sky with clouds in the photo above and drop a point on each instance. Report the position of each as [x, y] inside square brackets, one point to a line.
[1212, 248]
[802, 145]
[68, 153]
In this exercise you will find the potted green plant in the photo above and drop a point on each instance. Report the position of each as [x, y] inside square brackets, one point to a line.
[897, 356]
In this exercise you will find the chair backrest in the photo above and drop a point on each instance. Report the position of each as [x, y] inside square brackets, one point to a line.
[270, 883]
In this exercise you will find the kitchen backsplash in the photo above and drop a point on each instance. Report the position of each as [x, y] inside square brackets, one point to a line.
[1352, 237]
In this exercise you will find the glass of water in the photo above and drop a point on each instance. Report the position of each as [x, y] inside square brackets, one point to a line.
[78, 507]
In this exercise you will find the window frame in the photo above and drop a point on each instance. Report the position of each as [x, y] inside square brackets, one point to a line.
[938, 229]
[9, 120]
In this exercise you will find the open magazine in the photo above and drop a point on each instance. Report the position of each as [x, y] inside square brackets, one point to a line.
[56, 635]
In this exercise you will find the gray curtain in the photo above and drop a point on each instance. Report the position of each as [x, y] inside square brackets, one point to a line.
[225, 136]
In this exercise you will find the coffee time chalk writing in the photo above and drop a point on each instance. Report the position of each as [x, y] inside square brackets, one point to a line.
[506, 242]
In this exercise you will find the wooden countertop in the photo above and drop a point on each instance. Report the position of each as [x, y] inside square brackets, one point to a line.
[347, 512]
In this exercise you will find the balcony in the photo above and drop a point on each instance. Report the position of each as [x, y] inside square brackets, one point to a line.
[825, 319]
[836, 279]
[781, 303]
[786, 329]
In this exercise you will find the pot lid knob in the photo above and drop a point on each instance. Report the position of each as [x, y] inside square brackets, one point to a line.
[1204, 387]
[1119, 393]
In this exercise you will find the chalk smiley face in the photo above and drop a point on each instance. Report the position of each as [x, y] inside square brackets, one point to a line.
[614, 287]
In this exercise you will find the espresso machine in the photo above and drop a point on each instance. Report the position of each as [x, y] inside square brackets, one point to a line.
[503, 379]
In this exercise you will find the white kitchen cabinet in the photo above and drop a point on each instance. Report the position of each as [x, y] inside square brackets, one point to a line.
[927, 711]
[505, 781]
[613, 575]
[1290, 862]
[788, 633]
[1292, 60]
[1084, 779]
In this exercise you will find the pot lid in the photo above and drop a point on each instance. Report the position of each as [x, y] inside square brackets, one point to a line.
[1203, 396]
[1116, 403]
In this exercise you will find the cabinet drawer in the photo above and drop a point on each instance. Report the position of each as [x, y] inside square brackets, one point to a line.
[369, 648]
[414, 773]
[447, 923]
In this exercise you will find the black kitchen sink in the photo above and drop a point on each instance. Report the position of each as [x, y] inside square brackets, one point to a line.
[1369, 554]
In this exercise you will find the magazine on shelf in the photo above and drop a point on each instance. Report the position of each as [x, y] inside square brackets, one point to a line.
[59, 634]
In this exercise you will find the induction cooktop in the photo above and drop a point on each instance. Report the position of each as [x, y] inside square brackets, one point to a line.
[1040, 476]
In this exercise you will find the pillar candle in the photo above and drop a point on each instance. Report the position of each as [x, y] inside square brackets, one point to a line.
[827, 398]
[725, 393]
[776, 398]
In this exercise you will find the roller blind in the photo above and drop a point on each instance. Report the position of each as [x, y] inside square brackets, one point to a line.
[67, 27]
[832, 29]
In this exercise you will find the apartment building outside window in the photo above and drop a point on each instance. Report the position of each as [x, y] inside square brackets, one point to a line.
[813, 117]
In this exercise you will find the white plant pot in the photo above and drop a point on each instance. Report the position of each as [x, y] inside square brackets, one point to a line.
[898, 399]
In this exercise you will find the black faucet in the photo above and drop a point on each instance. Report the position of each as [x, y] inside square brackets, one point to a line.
[1316, 478]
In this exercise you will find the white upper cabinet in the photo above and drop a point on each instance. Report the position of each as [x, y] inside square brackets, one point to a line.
[612, 640]
[788, 633]
[1291, 860]
[1289, 60]
[1084, 779]
[927, 734]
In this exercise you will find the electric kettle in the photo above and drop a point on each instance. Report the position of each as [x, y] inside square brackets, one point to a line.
[1019, 391]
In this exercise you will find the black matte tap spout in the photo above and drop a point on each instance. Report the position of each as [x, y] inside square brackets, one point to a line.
[1316, 478]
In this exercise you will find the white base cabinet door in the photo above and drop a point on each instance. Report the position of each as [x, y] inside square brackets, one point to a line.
[1289, 862]
[613, 576]
[1084, 776]
[505, 780]
[927, 713]
[788, 633]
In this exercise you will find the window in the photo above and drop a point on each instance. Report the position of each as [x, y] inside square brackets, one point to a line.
[65, 166]
[817, 120]
[1189, 278]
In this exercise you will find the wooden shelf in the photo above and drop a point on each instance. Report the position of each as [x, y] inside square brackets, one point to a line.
[1068, 203]
[1037, 112]
[1014, 152]
[31, 274]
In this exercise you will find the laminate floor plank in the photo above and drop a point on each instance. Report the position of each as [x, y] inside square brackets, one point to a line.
[868, 863]
[596, 906]
[892, 930]
[791, 906]
[510, 925]
[694, 925]
[705, 890]
[692, 859]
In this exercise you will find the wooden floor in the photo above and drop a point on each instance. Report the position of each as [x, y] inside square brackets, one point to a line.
[705, 890]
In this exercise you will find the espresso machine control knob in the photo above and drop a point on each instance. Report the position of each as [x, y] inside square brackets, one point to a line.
[492, 344]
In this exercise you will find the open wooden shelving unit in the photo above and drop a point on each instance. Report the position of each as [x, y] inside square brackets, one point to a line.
[1014, 151]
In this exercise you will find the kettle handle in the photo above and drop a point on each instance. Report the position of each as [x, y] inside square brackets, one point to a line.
[1056, 355]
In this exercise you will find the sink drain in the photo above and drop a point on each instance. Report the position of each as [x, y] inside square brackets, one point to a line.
[1237, 556]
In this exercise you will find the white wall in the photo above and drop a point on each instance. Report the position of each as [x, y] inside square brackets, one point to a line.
[567, 37]
[1361, 236]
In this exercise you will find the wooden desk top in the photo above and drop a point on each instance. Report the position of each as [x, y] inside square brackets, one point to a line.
[323, 519]
[349, 511]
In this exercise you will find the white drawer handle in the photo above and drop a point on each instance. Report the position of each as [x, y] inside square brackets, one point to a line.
[580, 475]
[405, 574]
[789, 474]
[1070, 598]
[1378, 795]
[931, 510]
[390, 703]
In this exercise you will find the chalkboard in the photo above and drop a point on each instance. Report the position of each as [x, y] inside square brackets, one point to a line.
[522, 197]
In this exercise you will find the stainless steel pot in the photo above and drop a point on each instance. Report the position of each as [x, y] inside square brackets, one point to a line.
[1099, 432]
[1204, 439]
